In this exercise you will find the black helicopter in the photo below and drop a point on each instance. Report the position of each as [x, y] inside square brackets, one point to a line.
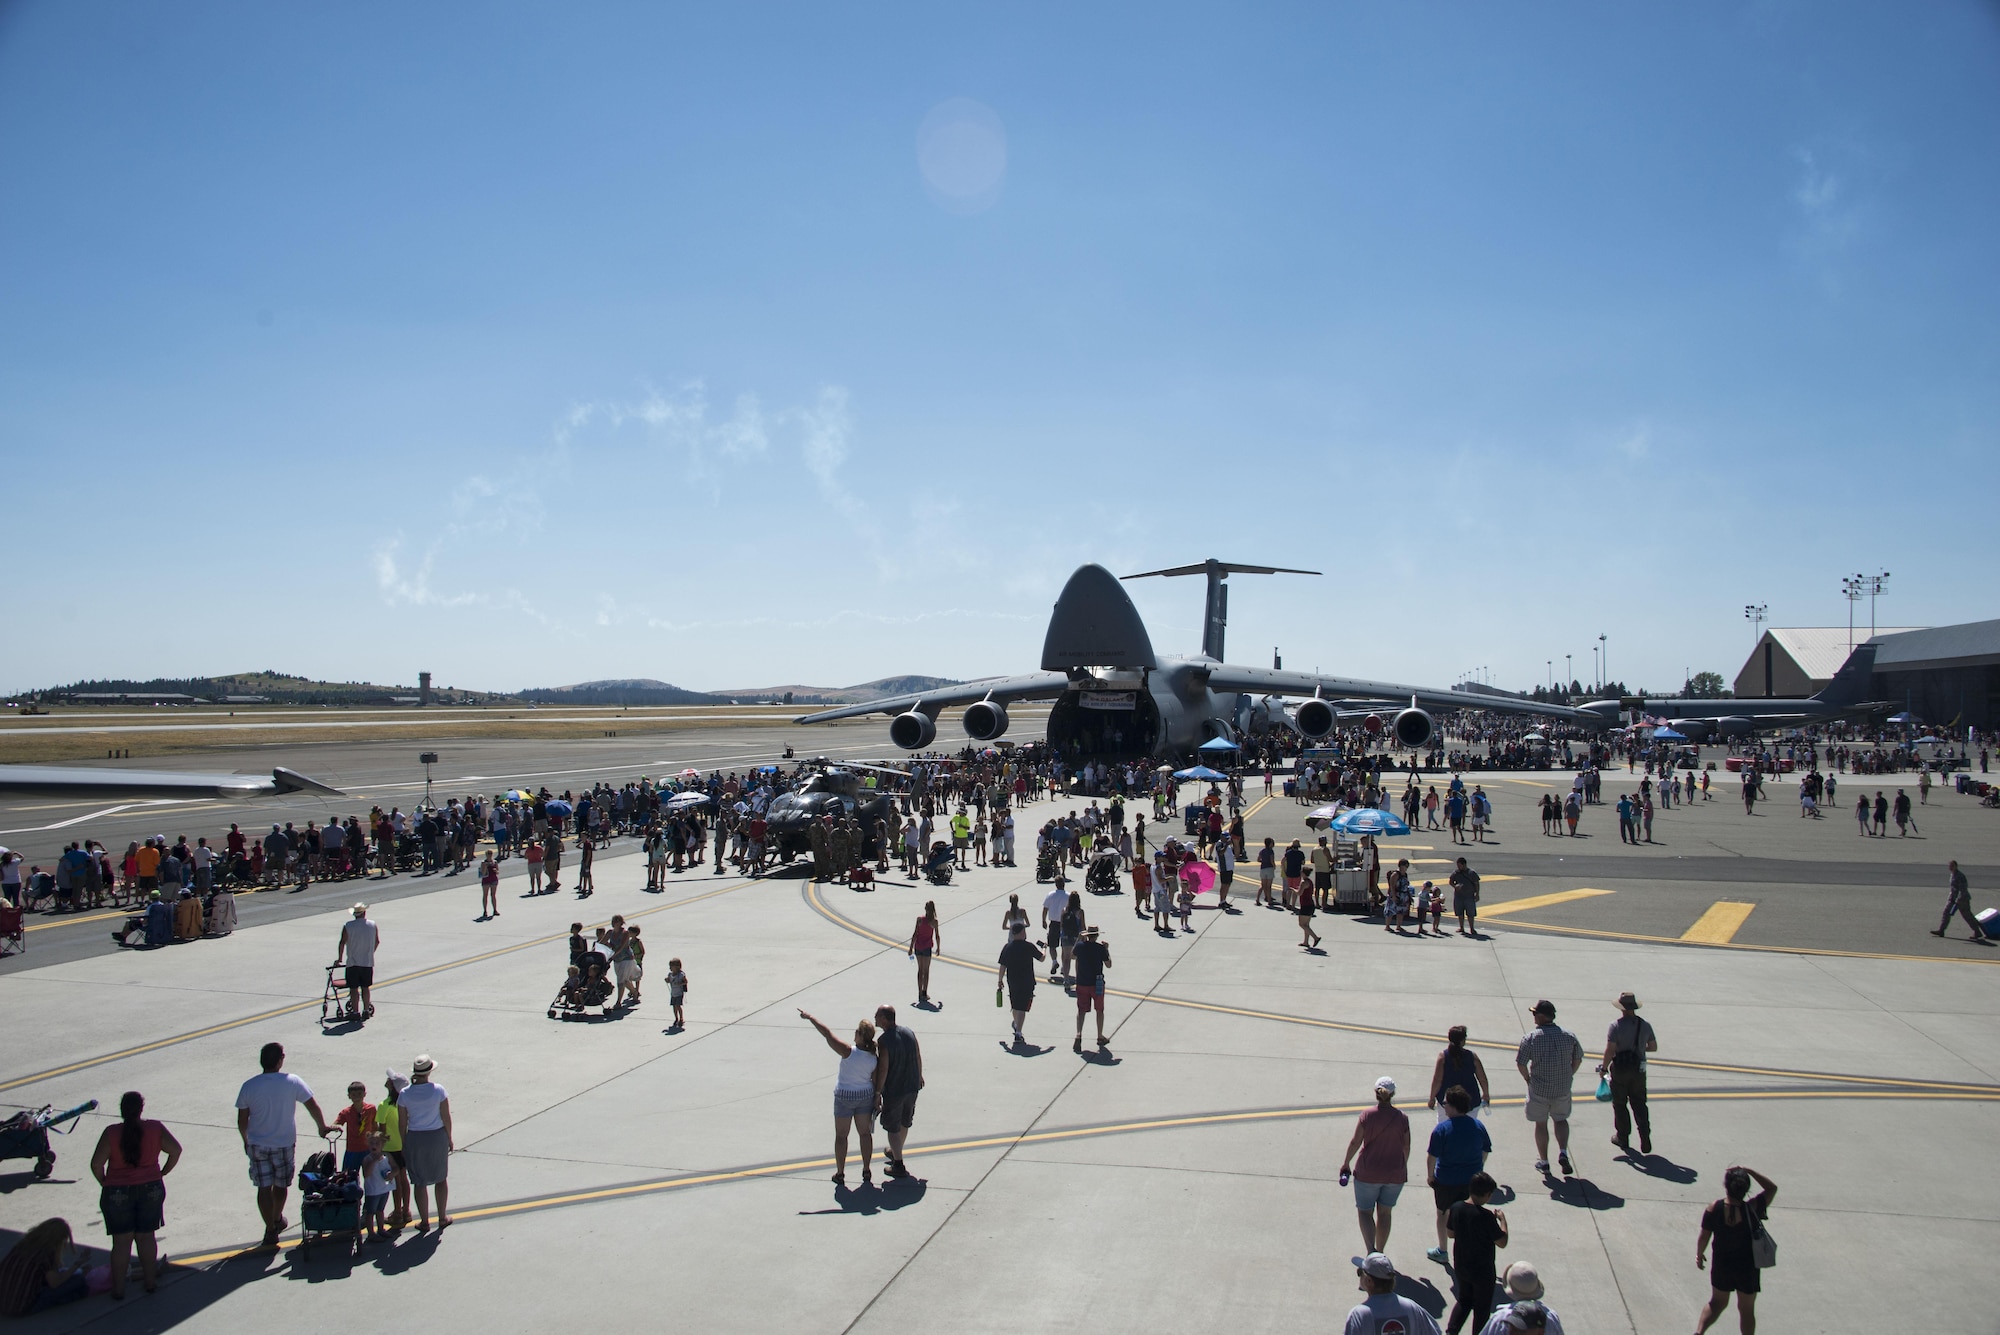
[835, 791]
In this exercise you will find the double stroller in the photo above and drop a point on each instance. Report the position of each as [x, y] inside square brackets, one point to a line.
[588, 984]
[939, 864]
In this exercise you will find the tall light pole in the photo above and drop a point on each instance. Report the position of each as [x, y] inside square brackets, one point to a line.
[1552, 676]
[1754, 613]
[1856, 587]
[1603, 662]
[1569, 672]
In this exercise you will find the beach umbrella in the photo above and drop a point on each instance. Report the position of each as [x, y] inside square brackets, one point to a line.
[1534, 737]
[1369, 820]
[1200, 875]
[558, 807]
[685, 801]
[1201, 772]
[1217, 745]
[1321, 817]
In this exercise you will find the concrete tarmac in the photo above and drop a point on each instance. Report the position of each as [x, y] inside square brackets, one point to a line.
[1181, 1179]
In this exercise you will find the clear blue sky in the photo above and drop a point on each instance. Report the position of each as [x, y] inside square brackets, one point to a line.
[734, 345]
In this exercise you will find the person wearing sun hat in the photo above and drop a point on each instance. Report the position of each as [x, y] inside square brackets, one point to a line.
[1625, 1047]
[427, 1139]
[1384, 1310]
[1525, 1310]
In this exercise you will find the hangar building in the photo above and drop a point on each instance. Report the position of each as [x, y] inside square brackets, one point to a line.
[1790, 662]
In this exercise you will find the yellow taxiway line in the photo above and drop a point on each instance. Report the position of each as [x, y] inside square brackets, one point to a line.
[1718, 926]
[655, 1186]
[1538, 901]
[811, 892]
[297, 1006]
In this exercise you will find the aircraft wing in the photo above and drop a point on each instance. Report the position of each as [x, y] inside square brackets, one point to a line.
[78, 781]
[1004, 690]
[1266, 681]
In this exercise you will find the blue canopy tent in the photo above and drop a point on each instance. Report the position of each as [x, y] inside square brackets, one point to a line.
[1216, 746]
[1668, 735]
[1201, 772]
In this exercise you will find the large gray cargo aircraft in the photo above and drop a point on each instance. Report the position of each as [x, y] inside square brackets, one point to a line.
[1114, 697]
[1700, 720]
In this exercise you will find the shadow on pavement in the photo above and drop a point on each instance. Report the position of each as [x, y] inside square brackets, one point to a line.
[1421, 1292]
[1660, 1166]
[1584, 1194]
[893, 1194]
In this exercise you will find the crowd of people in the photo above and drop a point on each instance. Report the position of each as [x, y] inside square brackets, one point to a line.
[1471, 1230]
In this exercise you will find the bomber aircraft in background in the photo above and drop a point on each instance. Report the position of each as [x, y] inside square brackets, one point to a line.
[1115, 698]
[1701, 720]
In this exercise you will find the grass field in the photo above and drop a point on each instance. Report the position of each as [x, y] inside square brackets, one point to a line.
[93, 734]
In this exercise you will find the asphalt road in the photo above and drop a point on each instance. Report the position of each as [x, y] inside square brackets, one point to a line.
[1812, 885]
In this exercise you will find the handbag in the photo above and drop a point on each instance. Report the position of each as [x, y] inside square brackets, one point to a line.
[1763, 1247]
[1604, 1089]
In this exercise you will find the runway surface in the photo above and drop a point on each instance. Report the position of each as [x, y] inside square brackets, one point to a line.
[1162, 1182]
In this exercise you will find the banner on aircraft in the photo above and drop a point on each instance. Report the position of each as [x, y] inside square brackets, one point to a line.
[1110, 700]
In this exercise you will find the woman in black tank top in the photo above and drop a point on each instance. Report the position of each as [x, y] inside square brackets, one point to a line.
[1459, 1065]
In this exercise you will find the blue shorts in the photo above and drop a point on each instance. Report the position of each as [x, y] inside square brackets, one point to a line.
[1368, 1195]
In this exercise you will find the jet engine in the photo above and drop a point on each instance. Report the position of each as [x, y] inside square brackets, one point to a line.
[985, 720]
[913, 731]
[1695, 730]
[1734, 726]
[1314, 718]
[1414, 728]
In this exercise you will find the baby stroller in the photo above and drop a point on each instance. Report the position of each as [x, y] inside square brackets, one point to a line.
[938, 864]
[1045, 864]
[588, 984]
[25, 1135]
[1102, 877]
[329, 1201]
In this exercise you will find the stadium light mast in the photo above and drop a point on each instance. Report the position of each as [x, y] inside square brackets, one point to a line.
[1856, 587]
[1755, 614]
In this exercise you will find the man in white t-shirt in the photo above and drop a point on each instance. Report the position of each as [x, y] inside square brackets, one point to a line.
[1053, 905]
[358, 939]
[266, 1119]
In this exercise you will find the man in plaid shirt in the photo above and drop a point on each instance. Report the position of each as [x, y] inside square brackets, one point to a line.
[1547, 1059]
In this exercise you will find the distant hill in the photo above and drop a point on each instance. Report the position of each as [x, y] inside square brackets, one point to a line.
[621, 691]
[841, 695]
[277, 688]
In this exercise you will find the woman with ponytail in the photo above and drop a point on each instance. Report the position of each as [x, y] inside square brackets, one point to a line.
[133, 1193]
